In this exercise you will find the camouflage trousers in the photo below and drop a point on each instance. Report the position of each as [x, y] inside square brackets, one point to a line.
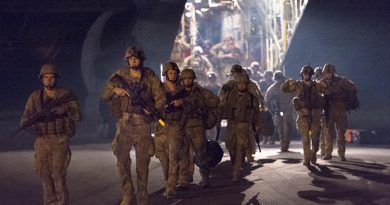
[168, 149]
[135, 134]
[323, 136]
[195, 146]
[310, 131]
[336, 127]
[283, 125]
[52, 158]
[236, 141]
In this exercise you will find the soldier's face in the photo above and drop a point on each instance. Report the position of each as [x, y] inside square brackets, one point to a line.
[187, 82]
[328, 75]
[134, 62]
[49, 81]
[241, 86]
[171, 75]
[306, 76]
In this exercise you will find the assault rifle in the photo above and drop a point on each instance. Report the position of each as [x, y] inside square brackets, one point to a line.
[135, 93]
[46, 113]
[171, 98]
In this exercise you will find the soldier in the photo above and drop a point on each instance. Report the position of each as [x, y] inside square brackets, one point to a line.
[280, 105]
[257, 73]
[53, 131]
[134, 123]
[198, 63]
[335, 109]
[196, 103]
[169, 138]
[318, 76]
[264, 85]
[227, 54]
[253, 88]
[240, 110]
[213, 86]
[308, 104]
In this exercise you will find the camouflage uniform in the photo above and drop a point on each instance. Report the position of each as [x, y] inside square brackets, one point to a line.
[169, 139]
[52, 152]
[308, 104]
[196, 103]
[264, 85]
[134, 129]
[240, 110]
[252, 88]
[280, 104]
[199, 63]
[319, 75]
[336, 122]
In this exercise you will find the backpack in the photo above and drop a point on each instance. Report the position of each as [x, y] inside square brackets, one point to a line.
[350, 95]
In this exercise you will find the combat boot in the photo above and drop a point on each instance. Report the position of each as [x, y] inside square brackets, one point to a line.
[205, 181]
[313, 158]
[342, 157]
[327, 157]
[169, 193]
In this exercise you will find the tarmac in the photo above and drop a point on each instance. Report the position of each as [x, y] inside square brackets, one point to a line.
[274, 178]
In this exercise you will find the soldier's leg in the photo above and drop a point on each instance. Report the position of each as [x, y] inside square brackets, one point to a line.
[160, 146]
[121, 147]
[230, 141]
[61, 158]
[341, 126]
[322, 136]
[184, 164]
[303, 128]
[242, 137]
[142, 161]
[287, 127]
[200, 150]
[43, 167]
[329, 135]
[279, 127]
[175, 134]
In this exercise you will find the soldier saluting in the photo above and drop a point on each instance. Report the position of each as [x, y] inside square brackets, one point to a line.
[136, 96]
[308, 105]
[51, 112]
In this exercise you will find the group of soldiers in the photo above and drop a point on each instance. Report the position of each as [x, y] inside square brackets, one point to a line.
[180, 111]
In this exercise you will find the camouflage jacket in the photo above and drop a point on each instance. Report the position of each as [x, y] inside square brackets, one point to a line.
[241, 107]
[276, 100]
[59, 124]
[149, 88]
[337, 88]
[198, 101]
[309, 96]
[253, 88]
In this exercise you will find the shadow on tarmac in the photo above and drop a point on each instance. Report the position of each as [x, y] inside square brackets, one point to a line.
[347, 181]
[222, 189]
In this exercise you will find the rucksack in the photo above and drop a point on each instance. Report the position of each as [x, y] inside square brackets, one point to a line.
[350, 95]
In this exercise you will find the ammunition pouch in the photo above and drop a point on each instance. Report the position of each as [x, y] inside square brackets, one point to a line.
[298, 103]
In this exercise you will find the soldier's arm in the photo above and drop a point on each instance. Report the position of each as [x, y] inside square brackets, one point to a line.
[108, 91]
[74, 111]
[157, 92]
[289, 86]
[209, 98]
[208, 64]
[29, 110]
[348, 85]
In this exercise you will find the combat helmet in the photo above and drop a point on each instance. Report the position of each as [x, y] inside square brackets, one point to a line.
[236, 68]
[187, 73]
[242, 78]
[170, 66]
[307, 69]
[329, 68]
[49, 69]
[278, 75]
[137, 52]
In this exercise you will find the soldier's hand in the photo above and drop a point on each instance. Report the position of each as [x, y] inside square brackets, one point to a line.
[120, 92]
[146, 111]
[60, 110]
[177, 103]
